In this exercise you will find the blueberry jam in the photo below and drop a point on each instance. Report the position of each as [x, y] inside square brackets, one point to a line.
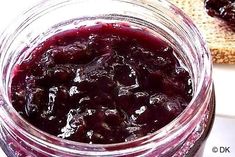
[224, 9]
[106, 83]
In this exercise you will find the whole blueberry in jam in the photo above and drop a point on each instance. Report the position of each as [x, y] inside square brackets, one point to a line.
[106, 83]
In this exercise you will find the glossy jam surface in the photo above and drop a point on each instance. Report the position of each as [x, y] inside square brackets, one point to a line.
[106, 83]
[224, 9]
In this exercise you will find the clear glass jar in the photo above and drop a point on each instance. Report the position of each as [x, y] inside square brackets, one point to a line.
[184, 136]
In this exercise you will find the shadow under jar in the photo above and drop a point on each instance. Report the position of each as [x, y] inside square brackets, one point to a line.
[184, 136]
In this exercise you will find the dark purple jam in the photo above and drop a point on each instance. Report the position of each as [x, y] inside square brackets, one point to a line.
[106, 83]
[224, 9]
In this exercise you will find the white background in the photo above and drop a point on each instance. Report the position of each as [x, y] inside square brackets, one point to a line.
[223, 131]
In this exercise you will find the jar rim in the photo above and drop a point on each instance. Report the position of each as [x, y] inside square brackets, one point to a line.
[203, 86]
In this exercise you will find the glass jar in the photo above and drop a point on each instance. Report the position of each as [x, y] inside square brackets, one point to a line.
[184, 136]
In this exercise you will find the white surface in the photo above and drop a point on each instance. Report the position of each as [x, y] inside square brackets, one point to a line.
[224, 79]
[222, 135]
[223, 132]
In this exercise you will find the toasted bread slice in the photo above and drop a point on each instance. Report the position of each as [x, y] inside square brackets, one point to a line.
[219, 35]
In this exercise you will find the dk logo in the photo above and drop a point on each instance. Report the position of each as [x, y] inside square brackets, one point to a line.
[221, 149]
